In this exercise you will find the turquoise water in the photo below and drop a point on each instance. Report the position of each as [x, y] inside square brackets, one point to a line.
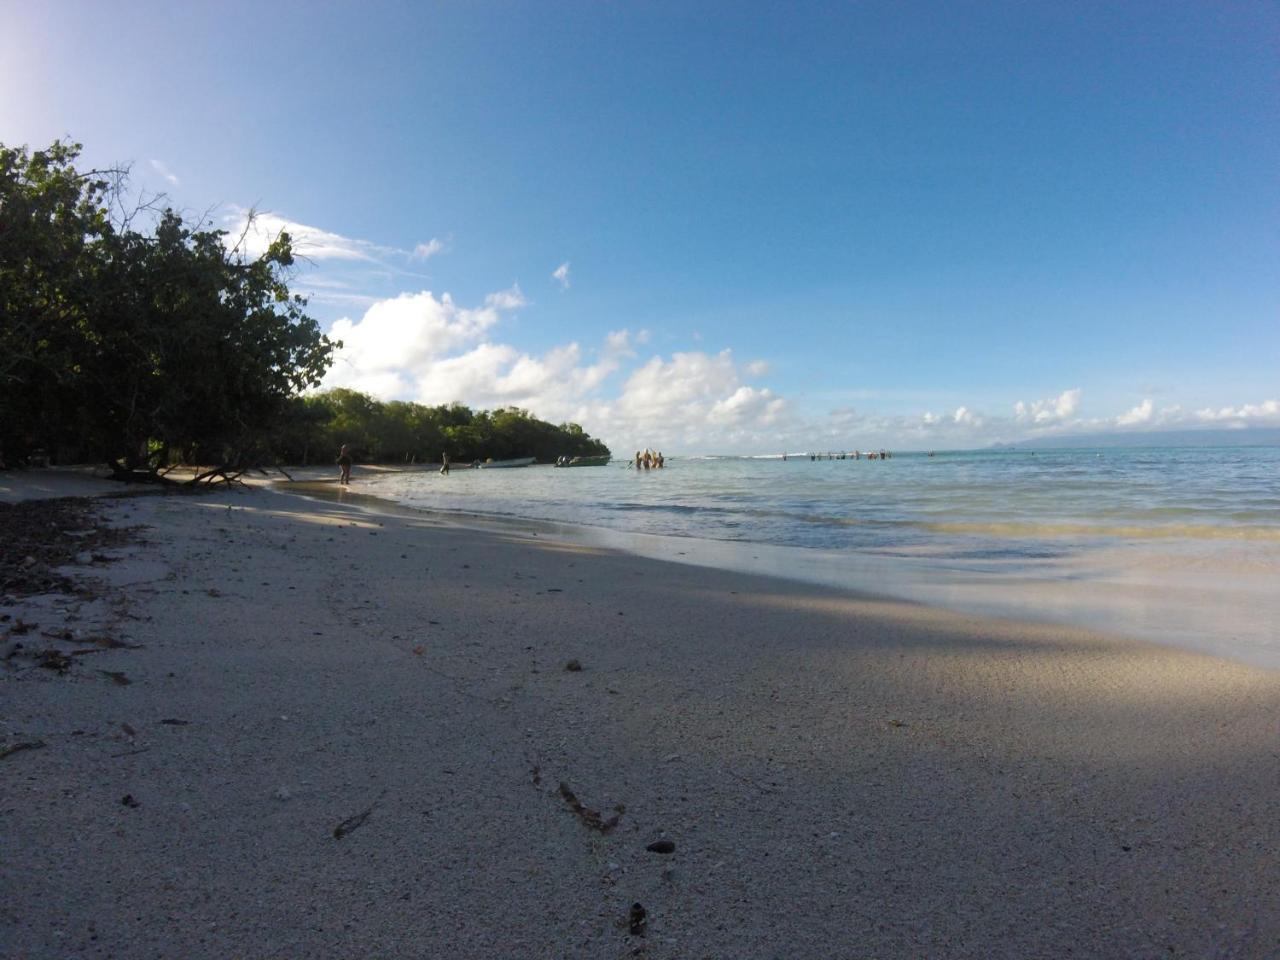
[984, 503]
[1176, 545]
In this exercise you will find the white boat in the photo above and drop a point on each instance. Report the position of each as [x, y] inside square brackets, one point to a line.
[497, 464]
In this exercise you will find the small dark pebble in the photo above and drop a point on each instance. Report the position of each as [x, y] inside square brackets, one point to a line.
[573, 666]
[661, 846]
[128, 801]
[636, 919]
[175, 722]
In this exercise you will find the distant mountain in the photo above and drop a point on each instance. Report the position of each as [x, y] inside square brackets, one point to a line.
[1254, 437]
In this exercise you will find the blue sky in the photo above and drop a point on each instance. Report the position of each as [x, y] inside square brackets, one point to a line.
[785, 226]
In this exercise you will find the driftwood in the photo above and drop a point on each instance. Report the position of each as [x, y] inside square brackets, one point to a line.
[223, 473]
[591, 818]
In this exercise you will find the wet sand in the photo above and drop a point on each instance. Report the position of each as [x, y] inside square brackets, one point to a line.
[350, 734]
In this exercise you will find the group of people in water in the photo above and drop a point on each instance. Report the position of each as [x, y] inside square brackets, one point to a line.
[648, 460]
[855, 455]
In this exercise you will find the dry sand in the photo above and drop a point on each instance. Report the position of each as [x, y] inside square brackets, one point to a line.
[345, 736]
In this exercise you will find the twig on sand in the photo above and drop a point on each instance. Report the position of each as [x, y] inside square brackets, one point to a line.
[591, 818]
[17, 747]
[355, 823]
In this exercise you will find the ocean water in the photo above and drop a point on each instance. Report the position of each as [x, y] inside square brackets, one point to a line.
[1174, 545]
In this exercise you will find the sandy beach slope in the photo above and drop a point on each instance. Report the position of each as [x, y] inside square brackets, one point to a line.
[340, 734]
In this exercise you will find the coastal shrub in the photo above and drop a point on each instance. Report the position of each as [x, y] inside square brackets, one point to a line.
[139, 348]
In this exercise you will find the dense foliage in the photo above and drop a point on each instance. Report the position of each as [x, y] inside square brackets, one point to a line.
[399, 432]
[139, 349]
[147, 349]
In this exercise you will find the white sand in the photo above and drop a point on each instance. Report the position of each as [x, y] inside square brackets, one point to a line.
[842, 776]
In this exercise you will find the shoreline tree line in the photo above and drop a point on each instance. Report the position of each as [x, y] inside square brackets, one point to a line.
[146, 348]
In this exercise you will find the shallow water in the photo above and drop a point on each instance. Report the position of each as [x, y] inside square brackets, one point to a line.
[1173, 545]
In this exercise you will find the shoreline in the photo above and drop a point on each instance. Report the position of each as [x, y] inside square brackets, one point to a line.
[1205, 599]
[345, 733]
[1228, 610]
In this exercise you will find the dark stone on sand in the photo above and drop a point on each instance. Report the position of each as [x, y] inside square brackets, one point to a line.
[661, 846]
[573, 666]
[636, 918]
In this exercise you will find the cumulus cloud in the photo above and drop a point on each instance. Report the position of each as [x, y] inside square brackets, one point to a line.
[1141, 414]
[757, 368]
[385, 350]
[433, 350]
[695, 399]
[561, 275]
[1247, 414]
[1052, 410]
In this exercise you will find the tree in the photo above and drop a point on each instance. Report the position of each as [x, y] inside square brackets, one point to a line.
[53, 225]
[141, 348]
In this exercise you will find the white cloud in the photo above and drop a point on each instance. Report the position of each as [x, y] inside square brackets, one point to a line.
[1141, 414]
[561, 275]
[159, 167]
[510, 299]
[618, 343]
[1267, 412]
[259, 231]
[255, 230]
[425, 251]
[383, 351]
[965, 416]
[748, 406]
[433, 350]
[757, 368]
[1052, 410]
[696, 400]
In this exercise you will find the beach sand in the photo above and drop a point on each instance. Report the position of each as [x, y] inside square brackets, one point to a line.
[345, 734]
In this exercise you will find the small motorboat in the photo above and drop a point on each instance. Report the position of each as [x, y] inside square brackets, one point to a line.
[598, 461]
[499, 464]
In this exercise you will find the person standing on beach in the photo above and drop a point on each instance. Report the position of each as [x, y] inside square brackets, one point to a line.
[344, 462]
[444, 467]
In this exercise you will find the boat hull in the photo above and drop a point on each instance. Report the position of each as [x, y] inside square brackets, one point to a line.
[586, 462]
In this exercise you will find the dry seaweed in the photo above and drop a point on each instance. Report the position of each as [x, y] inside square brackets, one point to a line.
[42, 535]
